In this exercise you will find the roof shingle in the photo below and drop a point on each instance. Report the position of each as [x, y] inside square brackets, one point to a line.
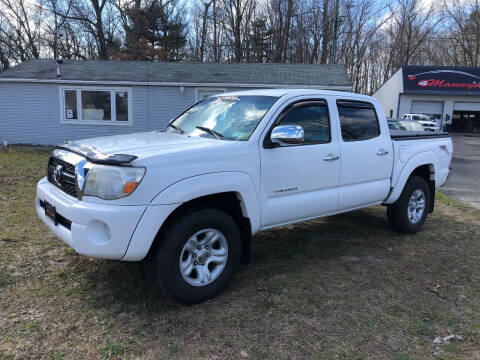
[183, 72]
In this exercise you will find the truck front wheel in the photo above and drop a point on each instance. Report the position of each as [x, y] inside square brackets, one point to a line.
[408, 214]
[198, 255]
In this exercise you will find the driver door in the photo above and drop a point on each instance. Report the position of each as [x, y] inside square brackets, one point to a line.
[301, 181]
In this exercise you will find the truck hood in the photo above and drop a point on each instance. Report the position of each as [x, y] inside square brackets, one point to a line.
[126, 148]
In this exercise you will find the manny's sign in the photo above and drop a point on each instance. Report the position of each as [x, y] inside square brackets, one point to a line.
[441, 79]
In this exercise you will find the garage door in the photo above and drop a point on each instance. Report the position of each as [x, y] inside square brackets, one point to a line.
[466, 106]
[427, 107]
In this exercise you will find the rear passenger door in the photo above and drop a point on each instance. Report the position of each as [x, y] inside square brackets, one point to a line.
[366, 155]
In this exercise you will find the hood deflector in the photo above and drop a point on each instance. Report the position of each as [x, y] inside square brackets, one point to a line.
[95, 156]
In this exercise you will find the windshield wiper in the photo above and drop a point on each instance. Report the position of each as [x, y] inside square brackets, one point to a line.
[179, 130]
[216, 134]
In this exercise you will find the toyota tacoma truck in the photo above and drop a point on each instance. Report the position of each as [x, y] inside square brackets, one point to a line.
[188, 199]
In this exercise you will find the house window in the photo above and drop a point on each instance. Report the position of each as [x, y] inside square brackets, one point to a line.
[96, 105]
[121, 105]
[101, 106]
[71, 105]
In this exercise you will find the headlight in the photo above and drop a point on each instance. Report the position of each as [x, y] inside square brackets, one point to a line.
[112, 182]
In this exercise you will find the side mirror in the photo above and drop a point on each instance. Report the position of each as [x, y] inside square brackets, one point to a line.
[285, 135]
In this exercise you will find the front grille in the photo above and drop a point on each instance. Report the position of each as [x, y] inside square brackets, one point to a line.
[66, 181]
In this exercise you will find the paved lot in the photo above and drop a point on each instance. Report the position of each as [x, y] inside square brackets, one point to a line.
[464, 181]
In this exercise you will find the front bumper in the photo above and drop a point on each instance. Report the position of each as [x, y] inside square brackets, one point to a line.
[96, 230]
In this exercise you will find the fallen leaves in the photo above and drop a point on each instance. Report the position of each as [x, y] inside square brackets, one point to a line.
[436, 291]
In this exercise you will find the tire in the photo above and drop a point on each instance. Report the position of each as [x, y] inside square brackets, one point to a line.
[197, 228]
[401, 217]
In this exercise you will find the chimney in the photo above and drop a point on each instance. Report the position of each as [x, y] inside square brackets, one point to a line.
[59, 62]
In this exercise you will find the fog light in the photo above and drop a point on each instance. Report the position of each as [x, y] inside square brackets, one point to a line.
[98, 232]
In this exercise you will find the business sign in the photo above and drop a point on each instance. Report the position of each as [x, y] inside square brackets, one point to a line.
[445, 79]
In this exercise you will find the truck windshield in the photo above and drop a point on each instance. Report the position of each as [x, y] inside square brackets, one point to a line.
[223, 117]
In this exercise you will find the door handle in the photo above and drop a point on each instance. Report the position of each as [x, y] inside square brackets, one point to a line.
[331, 157]
[382, 152]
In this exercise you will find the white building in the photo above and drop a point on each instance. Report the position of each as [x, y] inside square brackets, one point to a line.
[450, 95]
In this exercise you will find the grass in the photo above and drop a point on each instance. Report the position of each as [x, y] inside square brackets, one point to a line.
[112, 349]
[337, 288]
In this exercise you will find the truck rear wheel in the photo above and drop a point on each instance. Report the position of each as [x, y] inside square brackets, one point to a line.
[408, 214]
[198, 256]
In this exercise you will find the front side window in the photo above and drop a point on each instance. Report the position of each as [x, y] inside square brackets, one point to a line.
[224, 117]
[358, 120]
[107, 106]
[313, 119]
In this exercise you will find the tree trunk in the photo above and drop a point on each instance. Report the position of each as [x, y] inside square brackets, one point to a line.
[100, 34]
[236, 31]
[287, 30]
[204, 29]
[325, 33]
[136, 30]
[215, 39]
[4, 62]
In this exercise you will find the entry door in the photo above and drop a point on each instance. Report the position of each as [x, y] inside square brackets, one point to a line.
[366, 156]
[300, 181]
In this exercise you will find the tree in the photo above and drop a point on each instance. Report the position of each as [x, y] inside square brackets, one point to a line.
[97, 19]
[258, 41]
[407, 30]
[152, 30]
[20, 33]
[464, 32]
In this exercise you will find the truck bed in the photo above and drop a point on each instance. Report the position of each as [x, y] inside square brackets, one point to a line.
[411, 148]
[414, 135]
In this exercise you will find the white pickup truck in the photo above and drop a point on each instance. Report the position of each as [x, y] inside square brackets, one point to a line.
[188, 199]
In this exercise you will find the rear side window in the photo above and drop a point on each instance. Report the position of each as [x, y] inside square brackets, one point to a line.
[312, 118]
[358, 120]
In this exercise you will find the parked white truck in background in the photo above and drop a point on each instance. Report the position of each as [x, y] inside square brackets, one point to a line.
[424, 120]
[189, 199]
